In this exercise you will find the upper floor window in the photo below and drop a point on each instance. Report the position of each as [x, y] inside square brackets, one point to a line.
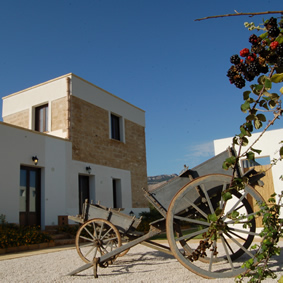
[41, 118]
[116, 127]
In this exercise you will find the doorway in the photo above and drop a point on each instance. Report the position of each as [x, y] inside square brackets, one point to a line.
[83, 191]
[29, 196]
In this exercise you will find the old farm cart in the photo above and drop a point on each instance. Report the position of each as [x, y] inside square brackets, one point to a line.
[212, 247]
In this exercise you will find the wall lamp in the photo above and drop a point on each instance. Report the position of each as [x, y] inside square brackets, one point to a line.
[88, 169]
[35, 160]
[131, 213]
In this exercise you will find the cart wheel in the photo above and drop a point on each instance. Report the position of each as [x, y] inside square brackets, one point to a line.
[188, 228]
[95, 238]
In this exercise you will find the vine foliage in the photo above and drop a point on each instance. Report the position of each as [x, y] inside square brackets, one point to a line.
[262, 66]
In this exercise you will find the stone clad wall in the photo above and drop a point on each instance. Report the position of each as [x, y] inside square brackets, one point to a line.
[59, 114]
[20, 119]
[91, 143]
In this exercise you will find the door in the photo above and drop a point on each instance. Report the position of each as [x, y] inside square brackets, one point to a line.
[29, 196]
[83, 191]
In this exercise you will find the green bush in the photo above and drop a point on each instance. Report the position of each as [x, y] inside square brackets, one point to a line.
[12, 235]
[148, 217]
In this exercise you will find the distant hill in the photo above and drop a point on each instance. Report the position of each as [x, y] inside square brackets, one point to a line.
[156, 181]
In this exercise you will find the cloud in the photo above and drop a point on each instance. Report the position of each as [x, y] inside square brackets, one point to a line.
[199, 153]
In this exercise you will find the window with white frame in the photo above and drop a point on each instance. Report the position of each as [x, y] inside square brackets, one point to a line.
[116, 127]
[41, 118]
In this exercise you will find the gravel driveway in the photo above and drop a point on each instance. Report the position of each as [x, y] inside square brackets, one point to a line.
[140, 264]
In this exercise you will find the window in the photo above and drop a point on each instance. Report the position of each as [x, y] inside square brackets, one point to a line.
[41, 118]
[117, 193]
[115, 127]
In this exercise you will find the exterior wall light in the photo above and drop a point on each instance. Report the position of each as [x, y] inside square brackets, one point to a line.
[88, 169]
[131, 213]
[35, 160]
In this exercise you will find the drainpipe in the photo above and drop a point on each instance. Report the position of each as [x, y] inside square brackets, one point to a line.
[68, 109]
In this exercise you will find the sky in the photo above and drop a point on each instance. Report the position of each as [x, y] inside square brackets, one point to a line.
[151, 53]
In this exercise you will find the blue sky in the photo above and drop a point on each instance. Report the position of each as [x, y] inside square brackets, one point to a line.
[150, 53]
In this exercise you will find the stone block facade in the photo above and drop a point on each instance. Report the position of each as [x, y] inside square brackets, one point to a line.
[20, 119]
[92, 143]
[59, 114]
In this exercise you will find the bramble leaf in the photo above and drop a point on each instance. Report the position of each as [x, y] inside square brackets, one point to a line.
[261, 117]
[245, 106]
[250, 155]
[277, 78]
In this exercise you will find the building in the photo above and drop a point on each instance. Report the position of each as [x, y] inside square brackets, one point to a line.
[269, 143]
[87, 143]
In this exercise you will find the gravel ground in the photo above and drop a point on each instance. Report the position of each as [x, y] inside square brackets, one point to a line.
[140, 264]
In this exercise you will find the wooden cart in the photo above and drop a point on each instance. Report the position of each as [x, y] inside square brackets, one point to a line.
[202, 230]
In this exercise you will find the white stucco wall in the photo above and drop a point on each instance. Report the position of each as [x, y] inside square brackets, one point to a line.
[59, 175]
[269, 144]
[101, 98]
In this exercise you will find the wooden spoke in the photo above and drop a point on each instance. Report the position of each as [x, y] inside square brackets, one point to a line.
[211, 250]
[95, 238]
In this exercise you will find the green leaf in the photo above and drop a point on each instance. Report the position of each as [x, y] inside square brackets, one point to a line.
[245, 141]
[272, 104]
[245, 106]
[281, 90]
[226, 196]
[250, 155]
[277, 78]
[257, 124]
[267, 83]
[258, 151]
[212, 217]
[281, 152]
[246, 94]
[264, 35]
[234, 214]
[279, 39]
[261, 117]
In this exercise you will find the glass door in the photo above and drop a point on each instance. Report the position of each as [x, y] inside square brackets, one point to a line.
[29, 196]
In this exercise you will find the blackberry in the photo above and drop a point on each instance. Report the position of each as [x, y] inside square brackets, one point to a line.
[240, 82]
[248, 77]
[253, 39]
[273, 31]
[240, 67]
[231, 72]
[254, 68]
[272, 58]
[271, 23]
[280, 61]
[264, 69]
[279, 49]
[235, 59]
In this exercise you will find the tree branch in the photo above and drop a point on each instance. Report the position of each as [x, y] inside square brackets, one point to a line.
[241, 14]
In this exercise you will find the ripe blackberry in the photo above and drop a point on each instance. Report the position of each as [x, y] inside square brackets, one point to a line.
[240, 67]
[273, 31]
[254, 68]
[231, 73]
[253, 39]
[235, 59]
[272, 58]
[279, 49]
[271, 23]
[264, 69]
[248, 77]
[240, 82]
[280, 62]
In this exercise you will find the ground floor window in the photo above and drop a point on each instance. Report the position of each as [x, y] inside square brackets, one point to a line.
[117, 193]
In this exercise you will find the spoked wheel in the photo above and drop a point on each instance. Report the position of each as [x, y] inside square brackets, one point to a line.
[207, 245]
[95, 238]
